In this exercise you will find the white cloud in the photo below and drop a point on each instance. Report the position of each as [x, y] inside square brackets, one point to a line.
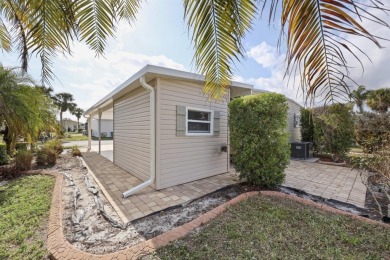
[265, 54]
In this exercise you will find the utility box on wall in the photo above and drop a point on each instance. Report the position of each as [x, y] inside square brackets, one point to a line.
[301, 150]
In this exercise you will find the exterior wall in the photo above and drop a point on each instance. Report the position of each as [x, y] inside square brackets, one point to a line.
[67, 123]
[183, 159]
[107, 127]
[132, 133]
[294, 132]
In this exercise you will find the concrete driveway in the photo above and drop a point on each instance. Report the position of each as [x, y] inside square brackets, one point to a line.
[106, 147]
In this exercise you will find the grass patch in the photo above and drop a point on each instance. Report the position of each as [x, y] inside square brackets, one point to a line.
[273, 228]
[75, 137]
[24, 211]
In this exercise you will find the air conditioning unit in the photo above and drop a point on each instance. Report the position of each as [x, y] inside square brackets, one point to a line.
[301, 150]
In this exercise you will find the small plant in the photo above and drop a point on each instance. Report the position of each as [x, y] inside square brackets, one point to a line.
[258, 137]
[23, 160]
[4, 158]
[46, 156]
[76, 151]
[51, 157]
[55, 145]
[307, 126]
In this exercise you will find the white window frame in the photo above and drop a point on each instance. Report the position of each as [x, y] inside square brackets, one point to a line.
[211, 121]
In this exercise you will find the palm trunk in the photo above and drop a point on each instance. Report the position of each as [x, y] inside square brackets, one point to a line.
[61, 119]
[78, 124]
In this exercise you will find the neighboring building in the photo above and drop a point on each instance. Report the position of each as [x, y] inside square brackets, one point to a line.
[107, 127]
[293, 118]
[165, 126]
[69, 125]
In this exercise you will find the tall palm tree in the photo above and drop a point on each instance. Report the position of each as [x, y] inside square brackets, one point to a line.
[78, 112]
[359, 96]
[317, 34]
[379, 100]
[64, 101]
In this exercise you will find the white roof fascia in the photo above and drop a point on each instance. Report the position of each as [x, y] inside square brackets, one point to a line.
[157, 71]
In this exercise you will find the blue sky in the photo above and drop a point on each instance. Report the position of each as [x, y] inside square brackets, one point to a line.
[160, 37]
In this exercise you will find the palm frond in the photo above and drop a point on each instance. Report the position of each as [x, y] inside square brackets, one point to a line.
[217, 29]
[5, 37]
[317, 46]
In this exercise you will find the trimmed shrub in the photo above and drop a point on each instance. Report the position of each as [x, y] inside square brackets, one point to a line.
[55, 145]
[333, 130]
[307, 126]
[258, 137]
[76, 151]
[372, 130]
[23, 160]
[4, 158]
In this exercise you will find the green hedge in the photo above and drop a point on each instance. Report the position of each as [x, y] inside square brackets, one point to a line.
[4, 158]
[334, 130]
[258, 138]
[307, 126]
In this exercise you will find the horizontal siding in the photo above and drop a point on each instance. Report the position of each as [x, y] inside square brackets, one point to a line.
[188, 158]
[294, 133]
[132, 133]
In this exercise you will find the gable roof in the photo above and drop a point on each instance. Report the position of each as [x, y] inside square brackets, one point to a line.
[151, 72]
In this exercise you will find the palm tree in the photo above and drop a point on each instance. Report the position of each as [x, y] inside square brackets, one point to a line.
[78, 112]
[64, 101]
[359, 96]
[317, 35]
[24, 110]
[379, 100]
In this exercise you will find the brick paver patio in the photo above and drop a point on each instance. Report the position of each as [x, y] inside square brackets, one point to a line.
[328, 181]
[113, 181]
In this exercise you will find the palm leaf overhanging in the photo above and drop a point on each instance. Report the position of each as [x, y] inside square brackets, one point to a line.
[218, 27]
[317, 42]
[317, 35]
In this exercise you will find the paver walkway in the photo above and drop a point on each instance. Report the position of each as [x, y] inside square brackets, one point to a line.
[113, 181]
[328, 181]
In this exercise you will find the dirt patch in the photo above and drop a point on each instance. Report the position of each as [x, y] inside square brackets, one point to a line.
[380, 196]
[89, 230]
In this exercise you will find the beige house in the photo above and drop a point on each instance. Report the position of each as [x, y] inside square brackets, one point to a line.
[166, 131]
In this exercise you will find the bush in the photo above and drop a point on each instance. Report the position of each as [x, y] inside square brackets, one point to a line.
[333, 130]
[46, 156]
[307, 126]
[76, 151]
[41, 157]
[23, 160]
[371, 130]
[4, 158]
[257, 135]
[21, 146]
[55, 145]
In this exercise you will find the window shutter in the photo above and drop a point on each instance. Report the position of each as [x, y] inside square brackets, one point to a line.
[216, 126]
[180, 120]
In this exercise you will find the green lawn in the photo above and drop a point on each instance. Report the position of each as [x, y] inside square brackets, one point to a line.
[273, 228]
[75, 137]
[24, 211]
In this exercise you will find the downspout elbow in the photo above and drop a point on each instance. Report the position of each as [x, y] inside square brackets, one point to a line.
[150, 181]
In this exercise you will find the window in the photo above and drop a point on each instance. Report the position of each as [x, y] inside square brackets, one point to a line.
[199, 121]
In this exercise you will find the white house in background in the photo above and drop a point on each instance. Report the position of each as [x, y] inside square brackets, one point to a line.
[166, 131]
[69, 125]
[107, 127]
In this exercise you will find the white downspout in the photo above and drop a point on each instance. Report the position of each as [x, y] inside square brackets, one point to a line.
[152, 141]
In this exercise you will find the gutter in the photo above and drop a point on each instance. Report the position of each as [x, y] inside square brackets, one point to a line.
[152, 141]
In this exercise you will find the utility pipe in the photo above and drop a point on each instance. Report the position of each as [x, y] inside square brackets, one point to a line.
[152, 141]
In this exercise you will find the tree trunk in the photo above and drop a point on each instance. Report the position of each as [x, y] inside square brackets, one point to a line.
[78, 124]
[61, 120]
